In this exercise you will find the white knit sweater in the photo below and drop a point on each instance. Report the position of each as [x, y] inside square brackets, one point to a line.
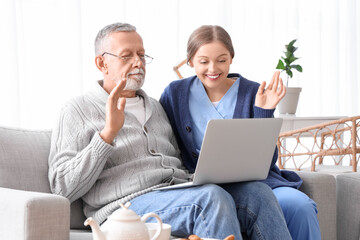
[82, 165]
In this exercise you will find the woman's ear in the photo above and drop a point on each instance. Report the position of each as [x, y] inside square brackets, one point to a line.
[190, 63]
[100, 64]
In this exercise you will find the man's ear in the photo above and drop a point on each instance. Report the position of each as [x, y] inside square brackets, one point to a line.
[100, 64]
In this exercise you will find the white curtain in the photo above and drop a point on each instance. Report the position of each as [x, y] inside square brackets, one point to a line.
[47, 54]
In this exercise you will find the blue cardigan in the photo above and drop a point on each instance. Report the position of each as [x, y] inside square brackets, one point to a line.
[175, 101]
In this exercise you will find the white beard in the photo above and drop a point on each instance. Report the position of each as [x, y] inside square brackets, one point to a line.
[135, 82]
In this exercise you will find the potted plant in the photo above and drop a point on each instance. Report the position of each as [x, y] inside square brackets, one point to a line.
[289, 103]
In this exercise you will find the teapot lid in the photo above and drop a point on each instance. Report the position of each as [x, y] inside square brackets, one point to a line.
[125, 214]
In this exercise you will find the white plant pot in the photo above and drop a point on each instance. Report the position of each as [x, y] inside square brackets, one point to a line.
[289, 103]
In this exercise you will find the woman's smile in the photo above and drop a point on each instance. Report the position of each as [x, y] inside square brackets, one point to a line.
[213, 77]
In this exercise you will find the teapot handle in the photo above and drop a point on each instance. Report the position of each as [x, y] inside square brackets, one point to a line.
[159, 221]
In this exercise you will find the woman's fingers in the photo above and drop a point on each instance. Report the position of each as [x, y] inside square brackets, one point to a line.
[280, 88]
[261, 88]
[283, 92]
[276, 81]
[270, 86]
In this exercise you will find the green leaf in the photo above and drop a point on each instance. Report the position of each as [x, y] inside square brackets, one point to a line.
[289, 72]
[292, 59]
[297, 67]
[288, 54]
[287, 61]
[290, 48]
[292, 42]
[280, 65]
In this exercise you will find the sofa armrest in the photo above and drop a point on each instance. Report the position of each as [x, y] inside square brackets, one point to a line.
[33, 216]
[321, 187]
[348, 207]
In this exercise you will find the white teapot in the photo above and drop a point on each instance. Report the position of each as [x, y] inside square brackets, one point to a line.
[124, 224]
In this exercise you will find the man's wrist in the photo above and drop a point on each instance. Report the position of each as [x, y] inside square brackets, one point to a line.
[107, 136]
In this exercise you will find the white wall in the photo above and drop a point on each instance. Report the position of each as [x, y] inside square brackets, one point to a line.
[47, 54]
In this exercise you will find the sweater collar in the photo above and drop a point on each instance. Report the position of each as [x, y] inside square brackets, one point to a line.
[101, 96]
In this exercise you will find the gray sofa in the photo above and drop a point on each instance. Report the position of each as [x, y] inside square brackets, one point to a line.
[29, 211]
[348, 206]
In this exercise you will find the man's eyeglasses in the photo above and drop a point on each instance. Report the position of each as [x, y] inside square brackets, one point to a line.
[145, 59]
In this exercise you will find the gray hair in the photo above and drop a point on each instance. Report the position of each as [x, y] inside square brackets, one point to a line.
[107, 30]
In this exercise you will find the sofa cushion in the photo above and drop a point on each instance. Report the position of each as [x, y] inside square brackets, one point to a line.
[24, 165]
[348, 207]
[24, 159]
[77, 217]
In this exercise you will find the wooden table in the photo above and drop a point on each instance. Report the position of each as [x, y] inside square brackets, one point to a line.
[292, 122]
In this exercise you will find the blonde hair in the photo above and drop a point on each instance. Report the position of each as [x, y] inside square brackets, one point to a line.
[207, 34]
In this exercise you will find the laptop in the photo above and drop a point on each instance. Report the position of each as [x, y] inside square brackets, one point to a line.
[235, 150]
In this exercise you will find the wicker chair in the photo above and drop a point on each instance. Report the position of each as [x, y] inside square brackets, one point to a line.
[336, 143]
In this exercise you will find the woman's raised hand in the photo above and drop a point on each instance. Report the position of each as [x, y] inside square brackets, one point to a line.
[270, 97]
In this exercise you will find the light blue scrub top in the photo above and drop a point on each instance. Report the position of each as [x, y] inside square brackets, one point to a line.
[202, 110]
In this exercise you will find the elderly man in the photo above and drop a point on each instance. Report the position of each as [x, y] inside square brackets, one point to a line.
[115, 145]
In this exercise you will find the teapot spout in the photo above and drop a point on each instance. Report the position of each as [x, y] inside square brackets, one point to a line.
[97, 233]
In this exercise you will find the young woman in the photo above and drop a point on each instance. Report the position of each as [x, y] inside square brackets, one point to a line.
[215, 94]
